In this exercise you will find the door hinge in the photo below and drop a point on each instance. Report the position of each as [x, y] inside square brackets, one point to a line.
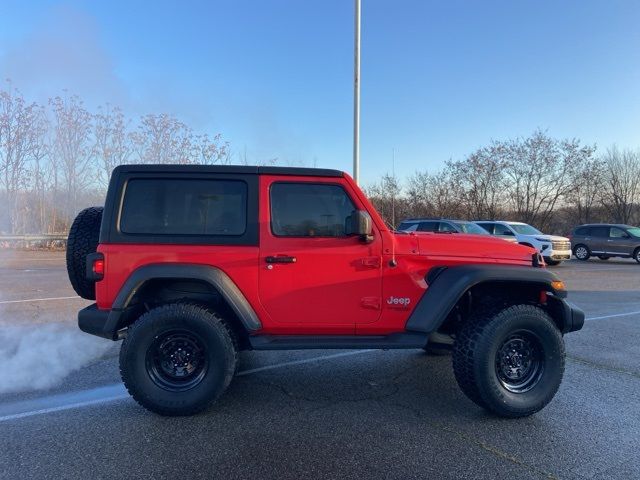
[370, 302]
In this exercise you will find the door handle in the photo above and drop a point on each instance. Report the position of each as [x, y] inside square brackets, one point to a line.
[280, 259]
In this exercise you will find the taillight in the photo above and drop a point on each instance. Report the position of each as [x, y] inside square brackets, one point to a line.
[98, 267]
[95, 266]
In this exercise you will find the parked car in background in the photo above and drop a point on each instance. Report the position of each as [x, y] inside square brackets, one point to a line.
[606, 240]
[440, 225]
[554, 249]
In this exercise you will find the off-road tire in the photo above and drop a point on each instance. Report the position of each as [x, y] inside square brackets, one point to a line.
[475, 359]
[581, 252]
[220, 355]
[83, 240]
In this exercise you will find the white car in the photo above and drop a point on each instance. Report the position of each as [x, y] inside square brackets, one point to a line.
[554, 249]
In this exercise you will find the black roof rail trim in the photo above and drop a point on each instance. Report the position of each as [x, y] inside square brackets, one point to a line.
[237, 169]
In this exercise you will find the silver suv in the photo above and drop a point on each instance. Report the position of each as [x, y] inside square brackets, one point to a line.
[606, 241]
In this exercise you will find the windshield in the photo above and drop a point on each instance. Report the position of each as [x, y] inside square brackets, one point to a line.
[635, 231]
[468, 227]
[524, 229]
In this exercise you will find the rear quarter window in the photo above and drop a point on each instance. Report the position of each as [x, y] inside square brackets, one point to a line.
[184, 207]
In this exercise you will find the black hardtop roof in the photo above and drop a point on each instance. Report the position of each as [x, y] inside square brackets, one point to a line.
[233, 169]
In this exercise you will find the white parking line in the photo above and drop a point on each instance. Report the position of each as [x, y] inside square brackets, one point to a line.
[60, 408]
[28, 300]
[628, 314]
[117, 387]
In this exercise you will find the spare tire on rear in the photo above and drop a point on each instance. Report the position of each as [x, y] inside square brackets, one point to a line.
[83, 240]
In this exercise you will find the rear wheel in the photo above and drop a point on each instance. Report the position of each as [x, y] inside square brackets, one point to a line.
[510, 361]
[603, 257]
[582, 252]
[178, 359]
[636, 255]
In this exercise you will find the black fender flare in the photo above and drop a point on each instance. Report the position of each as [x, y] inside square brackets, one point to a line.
[185, 271]
[449, 284]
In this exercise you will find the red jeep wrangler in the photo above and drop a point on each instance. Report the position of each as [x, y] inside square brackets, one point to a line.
[191, 264]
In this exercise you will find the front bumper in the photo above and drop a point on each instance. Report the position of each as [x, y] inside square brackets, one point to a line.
[568, 317]
[559, 255]
[102, 323]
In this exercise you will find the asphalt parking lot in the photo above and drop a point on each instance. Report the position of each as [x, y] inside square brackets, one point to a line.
[311, 414]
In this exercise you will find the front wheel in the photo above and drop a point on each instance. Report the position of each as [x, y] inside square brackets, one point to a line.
[636, 255]
[582, 252]
[510, 360]
[551, 263]
[178, 359]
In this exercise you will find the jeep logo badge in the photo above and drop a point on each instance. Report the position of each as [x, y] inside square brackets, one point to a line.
[398, 301]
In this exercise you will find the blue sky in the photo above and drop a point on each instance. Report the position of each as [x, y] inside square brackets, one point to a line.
[439, 79]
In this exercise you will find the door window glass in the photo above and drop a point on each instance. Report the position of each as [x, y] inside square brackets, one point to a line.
[446, 227]
[618, 233]
[428, 227]
[309, 210]
[502, 230]
[600, 232]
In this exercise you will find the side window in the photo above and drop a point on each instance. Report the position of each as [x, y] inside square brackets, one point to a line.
[487, 226]
[158, 206]
[618, 233]
[446, 227]
[600, 232]
[428, 227]
[309, 210]
[502, 230]
[407, 227]
[582, 231]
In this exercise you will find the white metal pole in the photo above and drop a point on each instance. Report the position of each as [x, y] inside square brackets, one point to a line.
[356, 97]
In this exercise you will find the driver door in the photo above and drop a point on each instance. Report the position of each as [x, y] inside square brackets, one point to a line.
[315, 278]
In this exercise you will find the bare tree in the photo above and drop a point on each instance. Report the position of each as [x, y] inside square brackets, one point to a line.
[72, 148]
[434, 195]
[210, 151]
[621, 183]
[163, 139]
[480, 177]
[112, 142]
[586, 190]
[540, 171]
[21, 125]
[386, 197]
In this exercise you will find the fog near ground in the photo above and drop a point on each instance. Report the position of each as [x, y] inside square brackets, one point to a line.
[40, 356]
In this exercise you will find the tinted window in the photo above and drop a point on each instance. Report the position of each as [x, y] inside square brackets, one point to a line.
[618, 233]
[582, 231]
[525, 229]
[309, 210]
[184, 207]
[468, 227]
[428, 227]
[599, 231]
[407, 227]
[502, 230]
[446, 227]
[487, 226]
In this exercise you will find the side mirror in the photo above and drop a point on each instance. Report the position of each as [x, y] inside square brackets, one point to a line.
[359, 223]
